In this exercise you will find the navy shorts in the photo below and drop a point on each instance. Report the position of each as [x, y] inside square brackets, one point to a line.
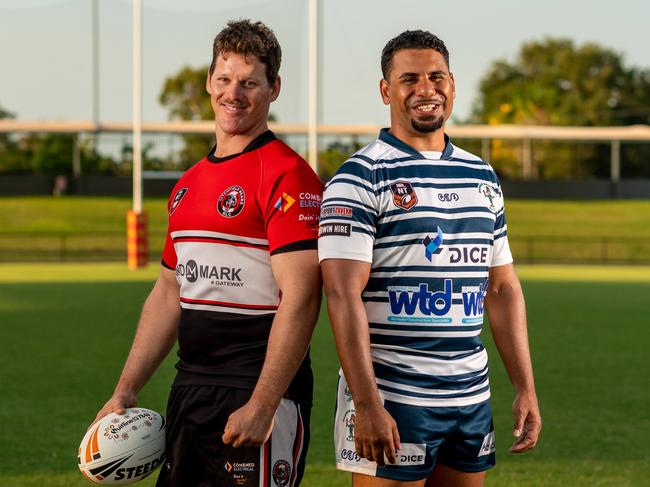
[458, 437]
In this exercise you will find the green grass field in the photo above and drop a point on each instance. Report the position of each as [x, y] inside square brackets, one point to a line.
[66, 329]
[93, 228]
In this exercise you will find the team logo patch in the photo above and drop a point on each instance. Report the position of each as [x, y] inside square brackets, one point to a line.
[177, 199]
[348, 420]
[404, 195]
[281, 473]
[491, 193]
[431, 245]
[284, 202]
[231, 202]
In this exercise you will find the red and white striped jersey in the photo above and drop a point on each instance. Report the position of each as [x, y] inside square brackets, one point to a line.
[227, 216]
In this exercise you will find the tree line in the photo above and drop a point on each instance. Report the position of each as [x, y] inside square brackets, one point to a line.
[550, 82]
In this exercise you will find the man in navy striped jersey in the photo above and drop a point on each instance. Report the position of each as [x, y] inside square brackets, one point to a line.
[413, 247]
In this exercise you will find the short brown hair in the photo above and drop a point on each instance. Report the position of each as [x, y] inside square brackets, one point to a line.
[249, 38]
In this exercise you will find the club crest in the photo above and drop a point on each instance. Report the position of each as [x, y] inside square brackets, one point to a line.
[231, 202]
[404, 195]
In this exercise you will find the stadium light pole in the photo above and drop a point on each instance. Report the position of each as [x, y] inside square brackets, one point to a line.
[313, 86]
[136, 218]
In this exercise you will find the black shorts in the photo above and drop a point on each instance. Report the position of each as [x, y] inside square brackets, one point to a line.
[196, 456]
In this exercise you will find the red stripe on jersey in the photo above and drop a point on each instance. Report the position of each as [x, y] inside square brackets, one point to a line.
[267, 471]
[223, 241]
[298, 447]
[228, 305]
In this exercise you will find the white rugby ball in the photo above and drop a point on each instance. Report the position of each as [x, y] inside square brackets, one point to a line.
[122, 449]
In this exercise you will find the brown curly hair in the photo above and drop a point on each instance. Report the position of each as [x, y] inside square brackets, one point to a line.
[249, 38]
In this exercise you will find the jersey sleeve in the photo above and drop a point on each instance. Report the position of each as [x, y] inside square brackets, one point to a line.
[501, 254]
[348, 215]
[291, 205]
[169, 259]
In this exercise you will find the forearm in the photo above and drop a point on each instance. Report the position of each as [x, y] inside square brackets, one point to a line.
[350, 327]
[154, 338]
[507, 314]
[289, 340]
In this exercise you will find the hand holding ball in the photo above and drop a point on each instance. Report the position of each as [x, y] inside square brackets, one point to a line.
[122, 449]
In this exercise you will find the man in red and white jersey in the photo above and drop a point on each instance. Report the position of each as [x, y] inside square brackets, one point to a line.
[241, 257]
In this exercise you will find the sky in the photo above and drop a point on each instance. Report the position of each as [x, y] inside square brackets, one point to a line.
[46, 48]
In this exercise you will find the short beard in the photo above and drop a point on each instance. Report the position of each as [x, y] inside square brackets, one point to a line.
[428, 126]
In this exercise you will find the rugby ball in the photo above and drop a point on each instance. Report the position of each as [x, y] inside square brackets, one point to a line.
[122, 449]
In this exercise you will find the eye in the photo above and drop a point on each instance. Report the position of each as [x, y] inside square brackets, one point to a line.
[249, 84]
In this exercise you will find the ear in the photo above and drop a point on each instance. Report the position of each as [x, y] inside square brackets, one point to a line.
[383, 90]
[453, 83]
[275, 89]
[208, 88]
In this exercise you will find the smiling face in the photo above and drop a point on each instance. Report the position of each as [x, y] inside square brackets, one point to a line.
[420, 91]
[240, 95]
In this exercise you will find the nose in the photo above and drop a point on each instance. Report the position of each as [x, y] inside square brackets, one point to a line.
[234, 91]
[425, 87]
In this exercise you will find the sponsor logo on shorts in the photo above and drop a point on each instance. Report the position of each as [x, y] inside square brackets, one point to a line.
[177, 199]
[239, 466]
[342, 229]
[489, 445]
[284, 202]
[448, 197]
[231, 202]
[218, 276]
[349, 455]
[281, 473]
[404, 196]
[348, 421]
[492, 194]
[432, 245]
[338, 211]
[411, 454]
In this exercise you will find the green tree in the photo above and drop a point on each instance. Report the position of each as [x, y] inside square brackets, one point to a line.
[13, 159]
[555, 82]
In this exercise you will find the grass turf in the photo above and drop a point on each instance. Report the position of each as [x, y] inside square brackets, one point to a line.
[93, 228]
[66, 330]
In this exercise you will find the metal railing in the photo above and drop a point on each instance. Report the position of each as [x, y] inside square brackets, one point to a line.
[111, 246]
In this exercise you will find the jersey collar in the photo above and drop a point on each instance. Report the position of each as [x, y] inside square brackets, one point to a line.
[256, 143]
[390, 139]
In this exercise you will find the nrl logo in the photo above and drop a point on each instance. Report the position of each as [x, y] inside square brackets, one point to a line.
[404, 195]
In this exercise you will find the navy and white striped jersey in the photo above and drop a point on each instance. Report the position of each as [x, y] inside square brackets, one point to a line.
[431, 225]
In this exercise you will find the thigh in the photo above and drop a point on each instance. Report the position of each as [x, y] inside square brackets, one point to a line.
[444, 476]
[361, 480]
[471, 448]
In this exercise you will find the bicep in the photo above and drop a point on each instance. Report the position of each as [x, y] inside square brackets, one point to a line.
[345, 276]
[297, 273]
